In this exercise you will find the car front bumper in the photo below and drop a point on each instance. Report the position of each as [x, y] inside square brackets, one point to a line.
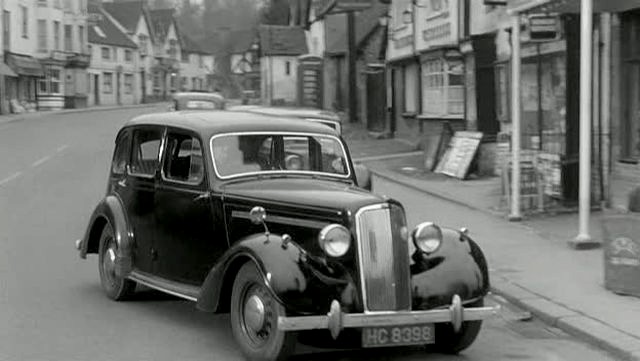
[336, 320]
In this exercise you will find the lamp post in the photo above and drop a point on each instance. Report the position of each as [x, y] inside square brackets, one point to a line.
[351, 36]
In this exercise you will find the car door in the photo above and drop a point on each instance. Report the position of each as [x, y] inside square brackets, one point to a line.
[186, 244]
[138, 191]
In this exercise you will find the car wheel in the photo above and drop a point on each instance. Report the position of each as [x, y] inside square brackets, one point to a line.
[254, 318]
[450, 342]
[115, 287]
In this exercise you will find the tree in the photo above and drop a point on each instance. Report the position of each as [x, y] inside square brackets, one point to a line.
[275, 12]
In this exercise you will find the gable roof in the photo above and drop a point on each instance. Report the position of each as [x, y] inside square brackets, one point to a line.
[106, 32]
[190, 46]
[242, 40]
[366, 22]
[161, 20]
[282, 40]
[127, 13]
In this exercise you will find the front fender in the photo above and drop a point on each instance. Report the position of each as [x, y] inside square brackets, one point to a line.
[457, 267]
[110, 211]
[295, 278]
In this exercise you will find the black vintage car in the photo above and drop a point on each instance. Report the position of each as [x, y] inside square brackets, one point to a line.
[322, 116]
[208, 206]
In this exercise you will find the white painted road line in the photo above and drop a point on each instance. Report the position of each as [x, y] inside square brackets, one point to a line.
[10, 178]
[40, 161]
[61, 148]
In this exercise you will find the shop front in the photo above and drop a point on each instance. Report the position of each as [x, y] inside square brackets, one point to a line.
[22, 90]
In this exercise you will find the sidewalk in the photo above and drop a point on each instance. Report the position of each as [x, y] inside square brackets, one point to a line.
[8, 118]
[536, 269]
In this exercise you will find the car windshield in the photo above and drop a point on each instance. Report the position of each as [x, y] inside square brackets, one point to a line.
[278, 153]
[201, 104]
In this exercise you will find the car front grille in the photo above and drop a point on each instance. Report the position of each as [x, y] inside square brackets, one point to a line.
[383, 258]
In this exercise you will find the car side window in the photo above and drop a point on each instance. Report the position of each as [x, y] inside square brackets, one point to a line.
[121, 153]
[145, 152]
[184, 161]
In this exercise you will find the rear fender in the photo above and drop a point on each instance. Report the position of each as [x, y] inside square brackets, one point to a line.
[287, 271]
[110, 211]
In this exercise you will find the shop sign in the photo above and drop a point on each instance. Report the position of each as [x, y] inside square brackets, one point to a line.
[440, 25]
[402, 42]
[516, 6]
[543, 28]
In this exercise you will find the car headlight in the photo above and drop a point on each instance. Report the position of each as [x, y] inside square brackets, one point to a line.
[334, 240]
[427, 237]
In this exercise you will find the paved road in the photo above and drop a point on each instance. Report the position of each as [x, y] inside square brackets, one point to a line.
[52, 172]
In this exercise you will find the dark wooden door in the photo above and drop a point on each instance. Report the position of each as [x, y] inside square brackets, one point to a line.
[376, 99]
[96, 89]
[310, 82]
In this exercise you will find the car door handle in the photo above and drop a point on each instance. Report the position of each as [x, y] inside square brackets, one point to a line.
[202, 196]
[122, 183]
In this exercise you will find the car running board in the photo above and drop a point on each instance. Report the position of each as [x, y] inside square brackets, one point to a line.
[188, 292]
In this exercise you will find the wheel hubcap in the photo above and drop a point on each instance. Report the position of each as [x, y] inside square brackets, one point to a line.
[109, 262]
[254, 313]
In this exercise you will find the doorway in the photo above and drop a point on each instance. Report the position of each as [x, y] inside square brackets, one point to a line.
[96, 89]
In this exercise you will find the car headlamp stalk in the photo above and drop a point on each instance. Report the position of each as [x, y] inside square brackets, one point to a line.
[334, 240]
[427, 237]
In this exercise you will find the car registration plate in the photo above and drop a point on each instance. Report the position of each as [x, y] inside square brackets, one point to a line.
[398, 335]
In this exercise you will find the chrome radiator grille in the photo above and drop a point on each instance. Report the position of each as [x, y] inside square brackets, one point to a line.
[383, 258]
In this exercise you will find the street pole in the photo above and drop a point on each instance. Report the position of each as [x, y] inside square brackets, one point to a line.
[586, 26]
[351, 54]
[515, 119]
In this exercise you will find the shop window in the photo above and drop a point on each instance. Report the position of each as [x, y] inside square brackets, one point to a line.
[54, 78]
[443, 88]
[411, 90]
[107, 83]
[128, 83]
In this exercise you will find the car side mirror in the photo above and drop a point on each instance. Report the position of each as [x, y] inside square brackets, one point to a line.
[363, 176]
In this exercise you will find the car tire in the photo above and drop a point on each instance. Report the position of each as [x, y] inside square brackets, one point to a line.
[115, 287]
[258, 337]
[450, 342]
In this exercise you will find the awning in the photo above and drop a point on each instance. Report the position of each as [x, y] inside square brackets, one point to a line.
[24, 65]
[569, 6]
[6, 71]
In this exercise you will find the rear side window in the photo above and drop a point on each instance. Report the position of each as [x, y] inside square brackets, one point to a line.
[145, 152]
[121, 153]
[184, 161]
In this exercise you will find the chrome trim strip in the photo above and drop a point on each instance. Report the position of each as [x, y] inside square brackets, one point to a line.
[284, 220]
[356, 320]
[148, 281]
[337, 139]
[360, 245]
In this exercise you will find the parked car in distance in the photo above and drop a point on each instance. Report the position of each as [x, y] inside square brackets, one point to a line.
[197, 101]
[262, 217]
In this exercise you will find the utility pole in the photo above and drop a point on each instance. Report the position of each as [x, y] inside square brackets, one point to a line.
[351, 56]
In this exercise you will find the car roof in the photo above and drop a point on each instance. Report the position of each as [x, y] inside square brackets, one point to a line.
[196, 95]
[209, 123]
[291, 111]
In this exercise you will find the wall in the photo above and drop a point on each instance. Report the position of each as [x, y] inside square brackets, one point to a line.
[278, 85]
[401, 34]
[316, 36]
[100, 66]
[18, 44]
[192, 69]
